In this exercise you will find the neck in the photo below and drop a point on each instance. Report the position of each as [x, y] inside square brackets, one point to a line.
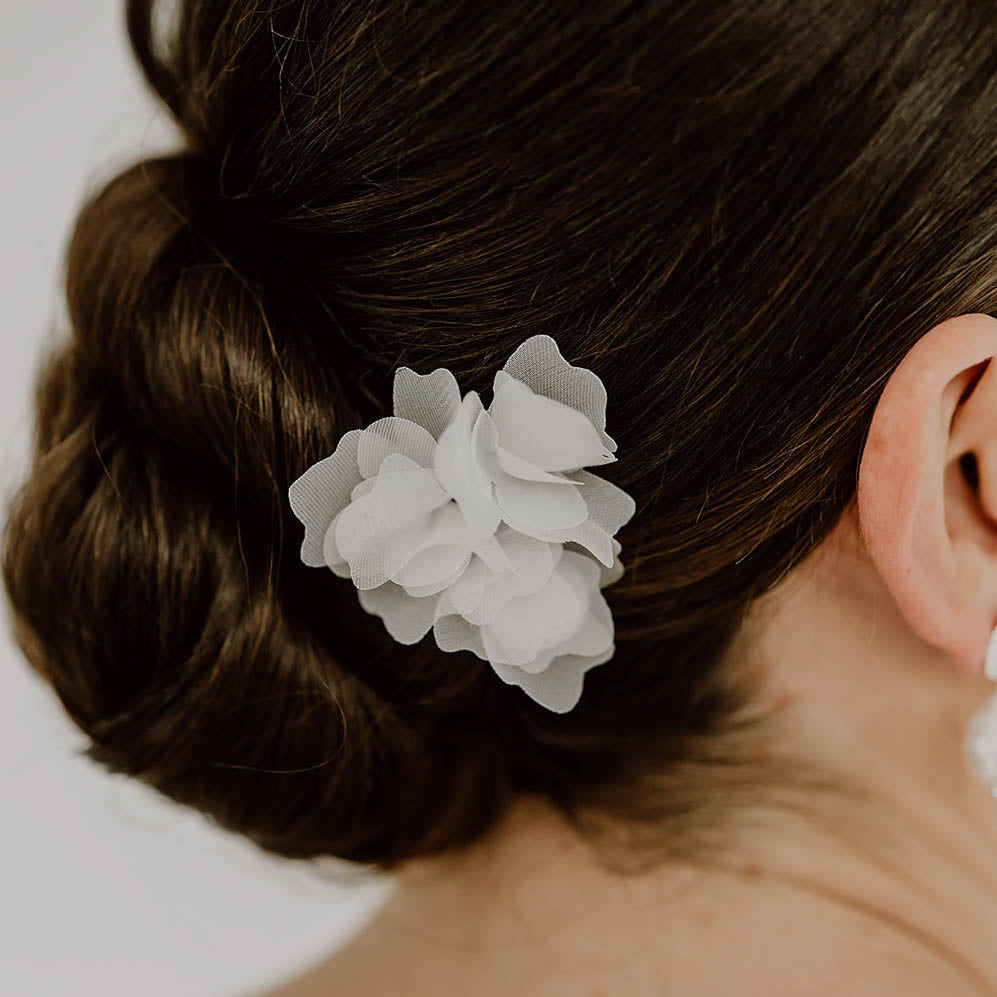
[530, 910]
[911, 843]
[889, 885]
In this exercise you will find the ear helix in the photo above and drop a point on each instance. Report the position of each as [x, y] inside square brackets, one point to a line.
[981, 735]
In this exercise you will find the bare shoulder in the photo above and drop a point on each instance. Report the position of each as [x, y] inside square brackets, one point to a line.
[332, 977]
[366, 963]
[342, 978]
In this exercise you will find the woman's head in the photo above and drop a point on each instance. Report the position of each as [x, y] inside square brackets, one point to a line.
[742, 216]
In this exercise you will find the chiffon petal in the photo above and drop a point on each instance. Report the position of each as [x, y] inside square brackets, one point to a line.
[609, 506]
[586, 534]
[556, 679]
[612, 573]
[432, 565]
[408, 620]
[531, 563]
[429, 400]
[465, 594]
[444, 527]
[458, 474]
[559, 686]
[405, 495]
[454, 633]
[519, 630]
[546, 433]
[393, 436]
[506, 462]
[538, 506]
[364, 488]
[318, 495]
[333, 558]
[538, 363]
[488, 548]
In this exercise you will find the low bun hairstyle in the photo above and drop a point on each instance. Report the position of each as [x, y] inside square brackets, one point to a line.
[741, 216]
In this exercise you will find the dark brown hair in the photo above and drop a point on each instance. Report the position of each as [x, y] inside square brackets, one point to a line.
[740, 215]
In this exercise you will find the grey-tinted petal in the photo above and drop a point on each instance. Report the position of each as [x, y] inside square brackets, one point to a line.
[610, 507]
[431, 400]
[612, 574]
[408, 620]
[538, 363]
[543, 431]
[454, 633]
[559, 687]
[393, 435]
[318, 495]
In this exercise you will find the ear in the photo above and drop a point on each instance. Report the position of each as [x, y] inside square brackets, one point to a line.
[927, 488]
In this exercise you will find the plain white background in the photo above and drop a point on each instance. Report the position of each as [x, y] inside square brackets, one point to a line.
[105, 888]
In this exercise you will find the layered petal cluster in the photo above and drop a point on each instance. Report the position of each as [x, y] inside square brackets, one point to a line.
[481, 524]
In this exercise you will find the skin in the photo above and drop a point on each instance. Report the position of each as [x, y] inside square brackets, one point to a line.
[873, 650]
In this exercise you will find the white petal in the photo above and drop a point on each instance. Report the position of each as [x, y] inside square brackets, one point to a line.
[531, 564]
[614, 572]
[586, 534]
[408, 620]
[520, 629]
[465, 593]
[578, 623]
[392, 435]
[333, 558]
[445, 526]
[595, 634]
[459, 473]
[484, 438]
[594, 539]
[400, 499]
[433, 569]
[538, 363]
[546, 433]
[318, 495]
[441, 587]
[490, 551]
[367, 567]
[539, 506]
[555, 679]
[364, 488]
[431, 400]
[559, 686]
[502, 460]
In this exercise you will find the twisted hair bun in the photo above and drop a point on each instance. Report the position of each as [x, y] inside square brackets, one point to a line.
[364, 186]
[188, 642]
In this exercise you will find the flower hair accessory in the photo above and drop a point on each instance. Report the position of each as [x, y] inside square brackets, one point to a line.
[481, 524]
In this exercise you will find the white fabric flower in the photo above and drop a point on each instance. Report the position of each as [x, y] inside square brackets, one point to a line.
[451, 517]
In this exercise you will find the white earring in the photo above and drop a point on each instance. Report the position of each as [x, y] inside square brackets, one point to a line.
[981, 735]
[991, 663]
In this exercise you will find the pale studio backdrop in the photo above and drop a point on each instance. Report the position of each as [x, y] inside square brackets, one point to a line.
[104, 888]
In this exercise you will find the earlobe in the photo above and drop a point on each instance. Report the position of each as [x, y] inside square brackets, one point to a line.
[927, 489]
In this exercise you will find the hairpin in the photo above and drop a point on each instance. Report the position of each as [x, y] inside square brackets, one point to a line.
[481, 525]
